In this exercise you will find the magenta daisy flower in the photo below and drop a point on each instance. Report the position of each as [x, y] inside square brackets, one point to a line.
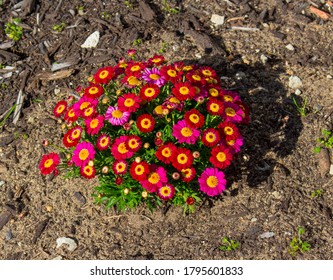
[166, 192]
[103, 142]
[115, 116]
[83, 152]
[129, 102]
[212, 181]
[119, 148]
[94, 125]
[234, 143]
[155, 179]
[119, 167]
[153, 76]
[184, 133]
[232, 113]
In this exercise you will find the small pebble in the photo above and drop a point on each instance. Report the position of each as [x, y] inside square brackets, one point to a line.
[2, 183]
[276, 195]
[217, 20]
[329, 77]
[254, 220]
[331, 169]
[298, 92]
[66, 240]
[290, 47]
[267, 234]
[56, 91]
[9, 235]
[48, 208]
[263, 58]
[57, 258]
[295, 82]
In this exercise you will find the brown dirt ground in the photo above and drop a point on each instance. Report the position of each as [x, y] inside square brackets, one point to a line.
[270, 184]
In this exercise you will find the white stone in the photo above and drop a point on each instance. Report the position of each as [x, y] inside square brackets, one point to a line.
[331, 169]
[267, 234]
[298, 92]
[295, 82]
[217, 20]
[66, 240]
[91, 41]
[290, 47]
[254, 220]
[263, 58]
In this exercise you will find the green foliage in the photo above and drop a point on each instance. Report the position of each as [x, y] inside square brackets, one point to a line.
[105, 15]
[137, 42]
[297, 245]
[168, 8]
[7, 115]
[128, 4]
[301, 108]
[227, 244]
[59, 27]
[325, 141]
[316, 193]
[2, 66]
[164, 47]
[13, 30]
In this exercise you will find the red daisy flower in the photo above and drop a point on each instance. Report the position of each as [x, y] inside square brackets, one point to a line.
[75, 133]
[215, 106]
[94, 125]
[70, 115]
[93, 91]
[149, 92]
[214, 91]
[88, 112]
[183, 159]
[207, 71]
[166, 192]
[88, 171]
[133, 143]
[134, 68]
[68, 141]
[188, 174]
[139, 171]
[104, 75]
[119, 167]
[103, 142]
[246, 112]
[60, 108]
[183, 91]
[131, 80]
[156, 60]
[119, 148]
[145, 123]
[195, 77]
[128, 102]
[171, 74]
[210, 137]
[166, 152]
[228, 129]
[49, 163]
[220, 157]
[194, 118]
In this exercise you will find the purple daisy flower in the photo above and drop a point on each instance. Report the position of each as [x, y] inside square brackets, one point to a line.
[153, 76]
[115, 116]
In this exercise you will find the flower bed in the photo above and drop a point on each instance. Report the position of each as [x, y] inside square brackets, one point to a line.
[151, 132]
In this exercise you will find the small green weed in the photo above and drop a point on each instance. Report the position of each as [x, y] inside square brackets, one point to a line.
[164, 47]
[228, 244]
[301, 109]
[169, 9]
[105, 15]
[137, 42]
[59, 27]
[316, 193]
[128, 4]
[13, 30]
[7, 115]
[297, 245]
[325, 141]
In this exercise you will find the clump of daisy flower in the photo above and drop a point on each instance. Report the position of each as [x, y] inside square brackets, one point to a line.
[150, 132]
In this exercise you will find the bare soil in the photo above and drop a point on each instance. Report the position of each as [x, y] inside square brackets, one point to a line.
[271, 185]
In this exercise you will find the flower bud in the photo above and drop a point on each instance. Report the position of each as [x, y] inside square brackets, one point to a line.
[168, 120]
[159, 134]
[144, 194]
[126, 126]
[137, 159]
[91, 163]
[45, 143]
[146, 145]
[176, 175]
[196, 154]
[166, 111]
[105, 100]
[68, 156]
[126, 191]
[131, 122]
[105, 169]
[190, 200]
[158, 141]
[201, 99]
[118, 92]
[119, 181]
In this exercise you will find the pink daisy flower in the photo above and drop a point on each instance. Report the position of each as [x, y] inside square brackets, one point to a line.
[94, 125]
[184, 133]
[83, 152]
[119, 148]
[119, 167]
[153, 76]
[234, 143]
[155, 179]
[212, 182]
[166, 192]
[115, 116]
[229, 96]
[103, 142]
[129, 102]
[232, 113]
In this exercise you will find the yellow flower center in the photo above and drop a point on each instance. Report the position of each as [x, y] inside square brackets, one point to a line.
[186, 131]
[228, 130]
[133, 144]
[71, 113]
[135, 68]
[103, 142]
[214, 92]
[83, 155]
[230, 112]
[212, 181]
[228, 98]
[94, 123]
[122, 148]
[60, 109]
[120, 167]
[159, 110]
[166, 152]
[154, 77]
[187, 68]
[88, 170]
[154, 178]
[103, 74]
[210, 137]
[133, 81]
[48, 163]
[174, 100]
[88, 111]
[145, 123]
[214, 107]
[93, 90]
[186, 172]
[184, 90]
[182, 158]
[221, 157]
[207, 72]
[196, 77]
[117, 114]
[149, 92]
[84, 105]
[172, 73]
[139, 170]
[76, 133]
[194, 118]
[129, 102]
[165, 190]
[231, 142]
